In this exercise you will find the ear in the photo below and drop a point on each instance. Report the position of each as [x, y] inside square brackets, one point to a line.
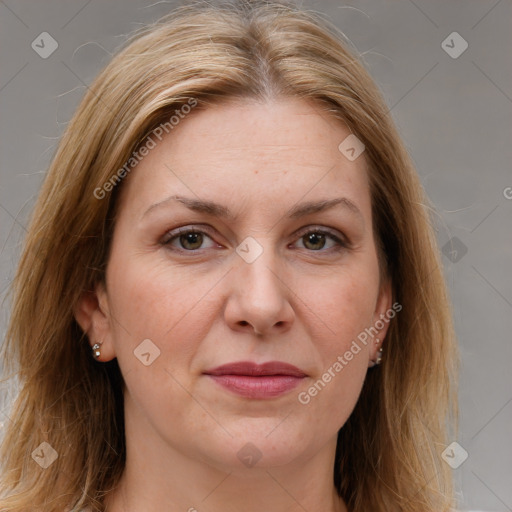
[93, 316]
[381, 318]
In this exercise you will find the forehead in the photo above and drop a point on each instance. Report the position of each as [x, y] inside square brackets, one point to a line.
[261, 153]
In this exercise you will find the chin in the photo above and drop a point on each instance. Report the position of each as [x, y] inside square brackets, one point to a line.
[257, 443]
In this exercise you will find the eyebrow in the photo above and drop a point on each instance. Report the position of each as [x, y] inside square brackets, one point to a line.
[310, 207]
[196, 205]
[218, 210]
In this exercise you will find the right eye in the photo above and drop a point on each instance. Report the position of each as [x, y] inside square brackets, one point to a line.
[187, 239]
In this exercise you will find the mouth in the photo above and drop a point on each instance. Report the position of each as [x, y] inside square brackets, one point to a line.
[257, 381]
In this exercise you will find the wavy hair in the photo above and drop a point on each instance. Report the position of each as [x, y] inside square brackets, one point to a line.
[388, 452]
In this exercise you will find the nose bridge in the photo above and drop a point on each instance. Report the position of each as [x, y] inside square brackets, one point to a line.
[258, 269]
[259, 297]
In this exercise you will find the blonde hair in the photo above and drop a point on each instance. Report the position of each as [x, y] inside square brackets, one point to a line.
[388, 452]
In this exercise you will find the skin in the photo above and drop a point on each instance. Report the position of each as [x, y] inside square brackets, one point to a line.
[301, 302]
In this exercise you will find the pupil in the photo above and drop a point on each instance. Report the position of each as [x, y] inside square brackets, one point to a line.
[315, 239]
[191, 240]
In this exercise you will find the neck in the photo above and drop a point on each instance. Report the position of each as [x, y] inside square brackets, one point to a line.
[270, 490]
[159, 476]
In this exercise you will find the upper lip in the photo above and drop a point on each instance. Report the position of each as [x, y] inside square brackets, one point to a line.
[256, 370]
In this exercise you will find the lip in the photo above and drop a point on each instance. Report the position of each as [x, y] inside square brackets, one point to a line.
[257, 381]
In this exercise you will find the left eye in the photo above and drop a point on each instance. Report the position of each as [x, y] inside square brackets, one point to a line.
[317, 240]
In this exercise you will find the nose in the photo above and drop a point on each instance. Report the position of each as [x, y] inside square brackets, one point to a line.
[259, 299]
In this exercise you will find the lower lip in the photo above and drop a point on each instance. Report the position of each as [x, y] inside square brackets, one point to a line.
[267, 386]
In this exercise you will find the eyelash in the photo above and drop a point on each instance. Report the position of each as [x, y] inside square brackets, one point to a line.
[175, 234]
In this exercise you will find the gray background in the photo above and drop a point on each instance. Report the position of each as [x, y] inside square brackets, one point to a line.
[454, 114]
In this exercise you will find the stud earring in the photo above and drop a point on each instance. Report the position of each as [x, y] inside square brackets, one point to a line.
[96, 350]
[378, 360]
[379, 356]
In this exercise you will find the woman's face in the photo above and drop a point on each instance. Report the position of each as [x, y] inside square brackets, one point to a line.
[279, 266]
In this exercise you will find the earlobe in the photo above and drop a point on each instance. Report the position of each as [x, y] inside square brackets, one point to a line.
[377, 358]
[92, 315]
[381, 319]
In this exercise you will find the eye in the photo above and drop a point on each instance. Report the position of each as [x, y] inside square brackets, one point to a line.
[321, 240]
[187, 239]
[192, 239]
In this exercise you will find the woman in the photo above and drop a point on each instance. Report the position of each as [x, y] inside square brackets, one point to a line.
[230, 295]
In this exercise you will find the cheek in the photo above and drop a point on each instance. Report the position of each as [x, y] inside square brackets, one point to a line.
[174, 312]
[344, 306]
[344, 310]
[172, 307]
